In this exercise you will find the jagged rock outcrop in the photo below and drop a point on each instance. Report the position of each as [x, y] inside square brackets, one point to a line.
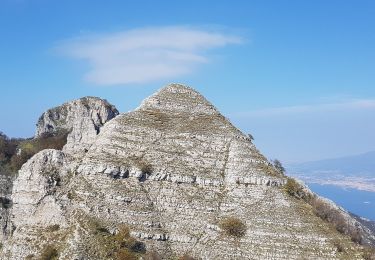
[82, 118]
[171, 170]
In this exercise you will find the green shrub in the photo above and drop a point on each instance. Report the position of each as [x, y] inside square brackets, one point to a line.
[233, 226]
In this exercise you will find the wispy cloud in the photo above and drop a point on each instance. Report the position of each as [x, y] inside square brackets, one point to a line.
[145, 54]
[355, 104]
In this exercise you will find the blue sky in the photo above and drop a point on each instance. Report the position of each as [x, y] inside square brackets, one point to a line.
[298, 75]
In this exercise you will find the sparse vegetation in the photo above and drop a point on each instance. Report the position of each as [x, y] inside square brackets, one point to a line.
[233, 226]
[15, 152]
[146, 168]
[152, 255]
[29, 257]
[340, 248]
[114, 245]
[278, 166]
[294, 189]
[8, 148]
[30, 147]
[53, 228]
[268, 168]
[125, 254]
[332, 215]
[368, 253]
[186, 257]
[49, 253]
[324, 210]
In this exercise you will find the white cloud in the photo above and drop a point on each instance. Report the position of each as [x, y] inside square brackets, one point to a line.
[146, 54]
[355, 104]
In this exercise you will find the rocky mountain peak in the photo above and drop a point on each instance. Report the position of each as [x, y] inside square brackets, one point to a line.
[82, 118]
[176, 173]
[178, 98]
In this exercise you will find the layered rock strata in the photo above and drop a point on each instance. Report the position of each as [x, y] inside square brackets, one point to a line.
[171, 170]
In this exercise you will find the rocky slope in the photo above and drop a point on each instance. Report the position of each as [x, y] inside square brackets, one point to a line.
[171, 171]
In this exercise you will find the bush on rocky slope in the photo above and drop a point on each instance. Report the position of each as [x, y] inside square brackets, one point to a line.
[186, 257]
[27, 148]
[233, 226]
[8, 148]
[120, 245]
[324, 210]
[294, 189]
[49, 253]
[15, 152]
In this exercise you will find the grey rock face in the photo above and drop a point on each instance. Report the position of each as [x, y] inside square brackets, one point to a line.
[82, 118]
[171, 170]
[34, 189]
[36, 205]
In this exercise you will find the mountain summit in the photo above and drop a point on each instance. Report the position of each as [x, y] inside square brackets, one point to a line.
[172, 178]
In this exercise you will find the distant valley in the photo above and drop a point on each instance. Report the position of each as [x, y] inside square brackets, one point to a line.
[348, 181]
[354, 172]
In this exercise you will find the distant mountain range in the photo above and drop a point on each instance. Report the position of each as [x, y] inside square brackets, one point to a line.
[357, 172]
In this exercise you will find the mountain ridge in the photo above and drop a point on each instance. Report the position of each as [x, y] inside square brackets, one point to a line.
[172, 171]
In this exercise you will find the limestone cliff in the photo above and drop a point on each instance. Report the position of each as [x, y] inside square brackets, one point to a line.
[171, 171]
[82, 118]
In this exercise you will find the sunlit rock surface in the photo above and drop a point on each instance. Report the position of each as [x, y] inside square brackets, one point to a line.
[171, 170]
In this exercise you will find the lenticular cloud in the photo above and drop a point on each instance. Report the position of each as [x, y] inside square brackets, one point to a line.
[144, 55]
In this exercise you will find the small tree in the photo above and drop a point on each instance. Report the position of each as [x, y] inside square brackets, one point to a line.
[278, 166]
[251, 137]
